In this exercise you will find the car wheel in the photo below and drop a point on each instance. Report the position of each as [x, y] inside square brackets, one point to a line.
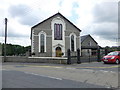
[117, 61]
[105, 62]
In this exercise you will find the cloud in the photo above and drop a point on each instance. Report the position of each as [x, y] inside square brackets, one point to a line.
[25, 14]
[100, 19]
[18, 10]
[15, 40]
[74, 15]
[13, 32]
[15, 29]
[30, 15]
[66, 7]
[94, 17]
[105, 20]
[106, 12]
[106, 31]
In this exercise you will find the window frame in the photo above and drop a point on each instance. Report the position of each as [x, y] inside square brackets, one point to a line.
[58, 30]
[44, 45]
[73, 34]
[72, 43]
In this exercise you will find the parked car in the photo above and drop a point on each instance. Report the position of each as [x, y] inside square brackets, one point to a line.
[112, 57]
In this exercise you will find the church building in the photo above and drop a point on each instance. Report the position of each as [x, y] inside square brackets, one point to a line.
[54, 36]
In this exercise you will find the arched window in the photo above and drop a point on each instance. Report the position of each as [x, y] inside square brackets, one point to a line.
[72, 42]
[42, 43]
[57, 31]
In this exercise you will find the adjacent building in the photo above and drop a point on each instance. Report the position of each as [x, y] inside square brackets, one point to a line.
[88, 46]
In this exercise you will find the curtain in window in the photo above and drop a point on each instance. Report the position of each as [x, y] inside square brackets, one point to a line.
[58, 31]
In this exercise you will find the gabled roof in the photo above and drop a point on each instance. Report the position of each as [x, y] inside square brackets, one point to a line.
[85, 37]
[53, 16]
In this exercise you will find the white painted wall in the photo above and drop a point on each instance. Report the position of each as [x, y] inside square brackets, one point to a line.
[56, 43]
[32, 42]
[86, 52]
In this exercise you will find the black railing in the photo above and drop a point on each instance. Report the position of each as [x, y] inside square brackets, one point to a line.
[77, 56]
[94, 55]
[73, 57]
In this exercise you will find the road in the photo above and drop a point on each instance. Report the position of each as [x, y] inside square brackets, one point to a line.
[34, 75]
[17, 79]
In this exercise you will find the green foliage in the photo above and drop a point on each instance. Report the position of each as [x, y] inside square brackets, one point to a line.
[114, 48]
[14, 50]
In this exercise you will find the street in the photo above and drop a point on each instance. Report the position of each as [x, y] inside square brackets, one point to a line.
[17, 79]
[42, 75]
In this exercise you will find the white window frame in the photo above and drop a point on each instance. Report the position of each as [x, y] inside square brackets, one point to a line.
[74, 41]
[32, 42]
[42, 32]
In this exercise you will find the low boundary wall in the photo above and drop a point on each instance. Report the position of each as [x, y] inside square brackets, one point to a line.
[56, 60]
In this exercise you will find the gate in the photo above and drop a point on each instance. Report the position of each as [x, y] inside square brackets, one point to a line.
[93, 56]
[90, 57]
[73, 57]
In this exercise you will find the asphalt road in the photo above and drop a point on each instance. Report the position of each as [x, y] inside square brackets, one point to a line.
[36, 75]
[17, 79]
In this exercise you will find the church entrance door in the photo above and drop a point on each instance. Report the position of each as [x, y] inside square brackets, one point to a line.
[58, 52]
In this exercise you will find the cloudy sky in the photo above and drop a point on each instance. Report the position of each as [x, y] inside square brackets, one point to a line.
[99, 18]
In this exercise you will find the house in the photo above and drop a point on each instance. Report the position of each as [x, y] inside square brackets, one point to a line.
[88, 46]
[54, 36]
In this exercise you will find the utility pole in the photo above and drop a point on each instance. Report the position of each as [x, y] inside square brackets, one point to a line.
[5, 39]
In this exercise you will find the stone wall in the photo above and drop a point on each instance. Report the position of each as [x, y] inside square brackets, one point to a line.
[35, 59]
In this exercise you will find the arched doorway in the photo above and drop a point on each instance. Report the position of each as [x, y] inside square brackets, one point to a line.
[58, 52]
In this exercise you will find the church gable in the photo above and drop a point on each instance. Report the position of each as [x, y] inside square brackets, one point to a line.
[46, 24]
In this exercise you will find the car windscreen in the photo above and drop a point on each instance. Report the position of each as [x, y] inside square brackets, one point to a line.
[113, 53]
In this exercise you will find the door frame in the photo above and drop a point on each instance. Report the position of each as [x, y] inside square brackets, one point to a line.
[58, 51]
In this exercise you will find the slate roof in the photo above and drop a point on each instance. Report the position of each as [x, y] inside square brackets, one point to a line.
[86, 36]
[83, 38]
[53, 16]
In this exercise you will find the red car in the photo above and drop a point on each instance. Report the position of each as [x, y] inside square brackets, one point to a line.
[112, 57]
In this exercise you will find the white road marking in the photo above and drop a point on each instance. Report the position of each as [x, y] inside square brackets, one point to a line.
[89, 70]
[103, 71]
[58, 67]
[71, 68]
[44, 76]
[107, 71]
[112, 72]
[5, 69]
[54, 77]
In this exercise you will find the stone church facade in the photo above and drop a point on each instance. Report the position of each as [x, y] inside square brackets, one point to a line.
[54, 36]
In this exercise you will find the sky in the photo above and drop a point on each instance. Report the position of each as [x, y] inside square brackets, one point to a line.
[99, 18]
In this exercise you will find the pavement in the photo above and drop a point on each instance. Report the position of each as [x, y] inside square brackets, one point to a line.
[92, 65]
[93, 74]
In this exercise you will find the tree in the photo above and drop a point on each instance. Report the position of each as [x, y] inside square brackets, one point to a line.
[14, 49]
